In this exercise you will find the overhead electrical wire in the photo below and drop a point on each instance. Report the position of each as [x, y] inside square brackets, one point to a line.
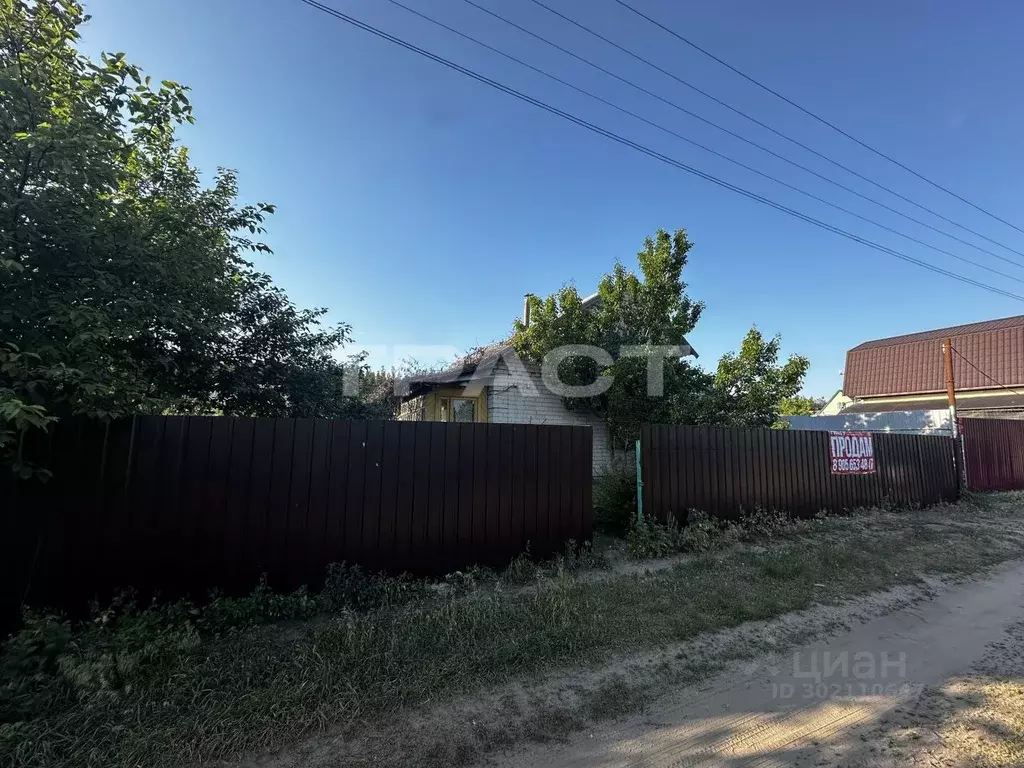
[961, 356]
[808, 112]
[697, 144]
[767, 127]
[732, 133]
[647, 150]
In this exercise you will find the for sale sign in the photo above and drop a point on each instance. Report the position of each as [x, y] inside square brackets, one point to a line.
[851, 453]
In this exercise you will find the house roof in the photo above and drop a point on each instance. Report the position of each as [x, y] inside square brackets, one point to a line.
[457, 373]
[462, 370]
[986, 355]
[1016, 321]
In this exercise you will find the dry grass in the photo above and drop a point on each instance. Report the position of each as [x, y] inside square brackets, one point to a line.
[975, 720]
[181, 697]
[988, 728]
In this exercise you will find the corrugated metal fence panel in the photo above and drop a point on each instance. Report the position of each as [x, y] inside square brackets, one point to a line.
[181, 505]
[724, 471]
[994, 453]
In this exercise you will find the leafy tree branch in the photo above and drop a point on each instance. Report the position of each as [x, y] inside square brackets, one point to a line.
[126, 285]
[651, 307]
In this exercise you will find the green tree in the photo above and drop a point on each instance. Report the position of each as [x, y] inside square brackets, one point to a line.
[125, 284]
[751, 385]
[801, 406]
[274, 359]
[652, 308]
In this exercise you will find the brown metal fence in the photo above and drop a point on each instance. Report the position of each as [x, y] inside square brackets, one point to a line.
[723, 471]
[185, 504]
[993, 454]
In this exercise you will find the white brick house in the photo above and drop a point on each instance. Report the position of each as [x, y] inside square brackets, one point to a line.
[481, 387]
[492, 385]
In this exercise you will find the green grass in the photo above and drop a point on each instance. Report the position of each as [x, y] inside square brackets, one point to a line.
[174, 695]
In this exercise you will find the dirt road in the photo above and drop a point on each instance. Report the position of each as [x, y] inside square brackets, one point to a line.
[866, 697]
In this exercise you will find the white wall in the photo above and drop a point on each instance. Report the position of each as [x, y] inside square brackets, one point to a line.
[508, 404]
[930, 422]
[835, 405]
[413, 409]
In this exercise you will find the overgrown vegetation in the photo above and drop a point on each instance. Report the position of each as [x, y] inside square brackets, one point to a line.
[126, 285]
[703, 533]
[182, 685]
[615, 503]
[652, 309]
[649, 538]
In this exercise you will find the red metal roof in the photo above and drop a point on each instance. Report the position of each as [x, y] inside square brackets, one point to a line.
[1016, 321]
[913, 364]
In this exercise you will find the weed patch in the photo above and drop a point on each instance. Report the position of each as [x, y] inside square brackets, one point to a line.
[615, 503]
[177, 685]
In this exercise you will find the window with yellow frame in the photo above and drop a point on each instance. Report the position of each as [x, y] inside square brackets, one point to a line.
[458, 409]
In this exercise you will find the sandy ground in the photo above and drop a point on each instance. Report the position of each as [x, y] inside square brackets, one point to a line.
[458, 732]
[972, 719]
[939, 682]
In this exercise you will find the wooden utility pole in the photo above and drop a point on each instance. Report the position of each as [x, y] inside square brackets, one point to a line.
[959, 454]
[947, 353]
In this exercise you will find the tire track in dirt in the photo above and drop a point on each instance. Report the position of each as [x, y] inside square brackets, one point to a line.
[797, 712]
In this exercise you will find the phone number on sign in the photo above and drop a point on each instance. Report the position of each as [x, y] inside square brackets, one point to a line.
[866, 464]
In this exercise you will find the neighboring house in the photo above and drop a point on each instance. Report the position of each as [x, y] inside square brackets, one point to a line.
[906, 373]
[835, 404]
[492, 385]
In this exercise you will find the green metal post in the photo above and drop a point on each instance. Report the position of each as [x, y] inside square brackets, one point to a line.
[639, 486]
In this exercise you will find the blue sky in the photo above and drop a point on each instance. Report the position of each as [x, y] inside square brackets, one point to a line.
[419, 205]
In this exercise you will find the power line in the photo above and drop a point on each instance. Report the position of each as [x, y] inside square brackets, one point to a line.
[648, 151]
[820, 119]
[732, 133]
[958, 353]
[767, 127]
[697, 144]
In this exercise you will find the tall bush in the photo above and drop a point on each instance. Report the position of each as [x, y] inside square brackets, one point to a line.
[126, 284]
